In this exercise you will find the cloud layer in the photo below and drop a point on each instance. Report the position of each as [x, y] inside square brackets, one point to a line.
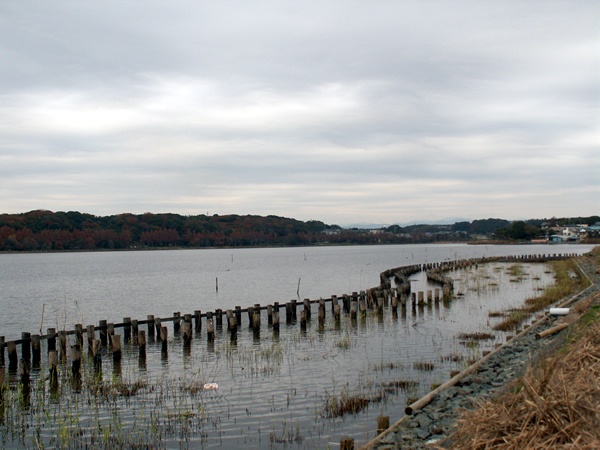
[336, 111]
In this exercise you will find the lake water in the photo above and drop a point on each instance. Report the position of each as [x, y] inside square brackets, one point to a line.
[276, 390]
[90, 286]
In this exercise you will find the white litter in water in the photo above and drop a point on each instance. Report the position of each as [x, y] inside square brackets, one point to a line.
[211, 386]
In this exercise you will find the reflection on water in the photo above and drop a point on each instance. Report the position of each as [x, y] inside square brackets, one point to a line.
[275, 389]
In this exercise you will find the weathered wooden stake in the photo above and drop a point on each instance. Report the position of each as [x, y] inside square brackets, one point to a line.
[13, 359]
[127, 329]
[198, 320]
[150, 322]
[53, 363]
[210, 330]
[395, 304]
[307, 308]
[76, 358]
[219, 319]
[51, 332]
[303, 319]
[347, 443]
[334, 302]
[337, 310]
[26, 346]
[24, 372]
[141, 340]
[176, 322]
[116, 347]
[437, 294]
[158, 327]
[238, 315]
[353, 310]
[79, 334]
[135, 329]
[256, 319]
[36, 348]
[420, 300]
[164, 335]
[90, 331]
[276, 320]
[187, 333]
[110, 329]
[2, 386]
[269, 315]
[2, 350]
[102, 325]
[383, 423]
[321, 315]
[429, 296]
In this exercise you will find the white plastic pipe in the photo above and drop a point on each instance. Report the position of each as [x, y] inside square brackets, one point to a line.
[560, 311]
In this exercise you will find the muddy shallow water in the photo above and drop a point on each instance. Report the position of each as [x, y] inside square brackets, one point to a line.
[275, 390]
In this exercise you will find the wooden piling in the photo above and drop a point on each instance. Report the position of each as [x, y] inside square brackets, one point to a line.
[353, 310]
[164, 335]
[13, 359]
[334, 302]
[219, 319]
[294, 309]
[76, 358]
[250, 311]
[79, 334]
[269, 314]
[276, 319]
[2, 381]
[116, 347]
[110, 330]
[303, 319]
[383, 423]
[288, 312]
[187, 333]
[362, 308]
[238, 315]
[141, 341]
[135, 329]
[2, 340]
[380, 305]
[429, 296]
[210, 330]
[395, 304]
[437, 295]
[53, 363]
[127, 329]
[420, 298]
[150, 322]
[198, 320]
[176, 322]
[36, 348]
[321, 315]
[347, 443]
[26, 346]
[24, 372]
[158, 327]
[307, 310]
[337, 311]
[90, 336]
[256, 319]
[51, 333]
[102, 325]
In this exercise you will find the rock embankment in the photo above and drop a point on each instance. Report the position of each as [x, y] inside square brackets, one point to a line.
[437, 420]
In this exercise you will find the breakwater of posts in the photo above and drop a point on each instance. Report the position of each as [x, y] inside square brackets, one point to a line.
[102, 339]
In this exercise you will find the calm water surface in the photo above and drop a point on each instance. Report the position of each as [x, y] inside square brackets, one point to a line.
[88, 287]
[274, 388]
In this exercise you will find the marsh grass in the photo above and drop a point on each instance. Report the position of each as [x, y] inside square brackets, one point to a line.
[565, 285]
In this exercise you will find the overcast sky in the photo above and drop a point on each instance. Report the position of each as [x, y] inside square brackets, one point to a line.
[345, 112]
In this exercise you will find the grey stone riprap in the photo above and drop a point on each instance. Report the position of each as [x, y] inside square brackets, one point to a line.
[438, 419]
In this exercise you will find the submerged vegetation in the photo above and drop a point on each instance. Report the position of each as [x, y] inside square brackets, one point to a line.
[565, 285]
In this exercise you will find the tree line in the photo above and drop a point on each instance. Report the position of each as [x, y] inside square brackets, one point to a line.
[43, 230]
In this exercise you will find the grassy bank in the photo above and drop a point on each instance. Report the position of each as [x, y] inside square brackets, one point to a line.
[569, 281]
[555, 405]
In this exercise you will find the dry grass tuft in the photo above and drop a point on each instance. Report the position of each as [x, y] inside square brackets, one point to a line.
[555, 407]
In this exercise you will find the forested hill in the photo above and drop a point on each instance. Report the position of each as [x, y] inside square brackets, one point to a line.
[47, 230]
